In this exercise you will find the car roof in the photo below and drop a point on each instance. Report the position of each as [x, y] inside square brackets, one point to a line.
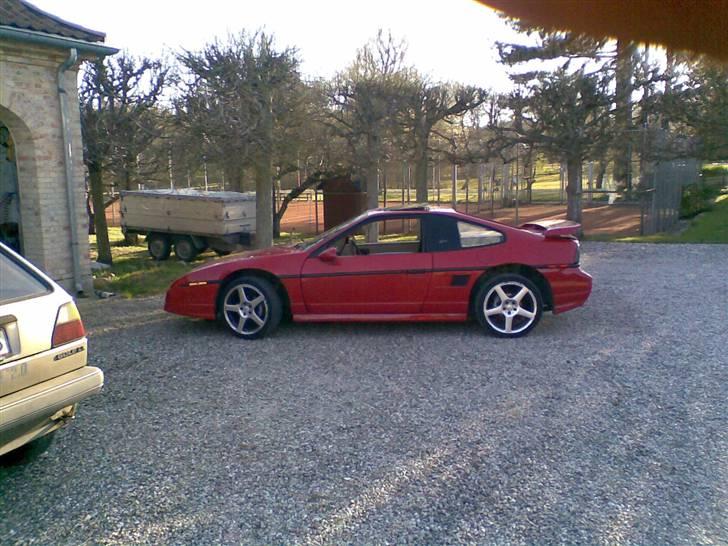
[420, 208]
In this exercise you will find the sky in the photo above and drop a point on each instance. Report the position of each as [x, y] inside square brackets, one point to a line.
[449, 40]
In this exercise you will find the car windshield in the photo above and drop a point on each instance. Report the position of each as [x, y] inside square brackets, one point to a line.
[304, 245]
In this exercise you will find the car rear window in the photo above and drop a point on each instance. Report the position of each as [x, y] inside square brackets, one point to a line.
[17, 282]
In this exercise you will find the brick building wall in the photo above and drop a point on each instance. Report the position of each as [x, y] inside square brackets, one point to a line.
[30, 108]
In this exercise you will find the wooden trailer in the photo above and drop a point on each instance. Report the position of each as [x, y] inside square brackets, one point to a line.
[189, 221]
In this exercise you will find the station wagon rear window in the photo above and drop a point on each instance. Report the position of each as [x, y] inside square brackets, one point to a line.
[17, 282]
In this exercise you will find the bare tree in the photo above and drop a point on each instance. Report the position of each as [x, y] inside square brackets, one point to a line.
[237, 98]
[118, 99]
[365, 102]
[429, 104]
[563, 115]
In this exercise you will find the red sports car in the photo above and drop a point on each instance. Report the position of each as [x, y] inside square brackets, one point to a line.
[408, 264]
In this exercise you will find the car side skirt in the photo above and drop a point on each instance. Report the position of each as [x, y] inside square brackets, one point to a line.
[382, 317]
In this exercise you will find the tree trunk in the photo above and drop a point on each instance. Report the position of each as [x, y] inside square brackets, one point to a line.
[421, 172]
[264, 175]
[573, 189]
[263, 203]
[623, 114]
[97, 197]
[601, 171]
[371, 175]
[131, 239]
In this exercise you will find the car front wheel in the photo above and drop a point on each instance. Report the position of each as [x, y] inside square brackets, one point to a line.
[508, 305]
[250, 307]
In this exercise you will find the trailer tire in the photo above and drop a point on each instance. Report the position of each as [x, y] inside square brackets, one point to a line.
[159, 246]
[185, 249]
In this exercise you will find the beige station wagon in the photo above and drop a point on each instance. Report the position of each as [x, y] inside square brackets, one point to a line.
[43, 371]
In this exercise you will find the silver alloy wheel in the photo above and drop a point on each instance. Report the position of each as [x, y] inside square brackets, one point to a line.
[245, 309]
[510, 307]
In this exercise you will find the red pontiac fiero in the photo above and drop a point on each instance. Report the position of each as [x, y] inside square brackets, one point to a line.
[409, 264]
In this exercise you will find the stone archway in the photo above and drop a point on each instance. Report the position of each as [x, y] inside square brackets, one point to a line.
[24, 157]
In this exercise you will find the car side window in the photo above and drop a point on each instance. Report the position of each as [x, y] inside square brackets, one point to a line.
[390, 236]
[444, 233]
[474, 235]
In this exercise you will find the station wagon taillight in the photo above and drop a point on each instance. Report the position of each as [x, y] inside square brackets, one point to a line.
[68, 326]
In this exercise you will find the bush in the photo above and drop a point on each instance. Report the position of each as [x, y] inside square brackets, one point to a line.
[697, 198]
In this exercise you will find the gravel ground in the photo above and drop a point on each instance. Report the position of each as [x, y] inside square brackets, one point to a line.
[606, 425]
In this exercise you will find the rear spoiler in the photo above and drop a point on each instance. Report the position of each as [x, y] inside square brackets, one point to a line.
[553, 229]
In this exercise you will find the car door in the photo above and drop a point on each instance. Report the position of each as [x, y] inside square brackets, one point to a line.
[461, 251]
[389, 275]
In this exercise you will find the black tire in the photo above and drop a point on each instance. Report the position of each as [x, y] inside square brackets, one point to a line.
[269, 310]
[159, 246]
[515, 316]
[29, 452]
[185, 249]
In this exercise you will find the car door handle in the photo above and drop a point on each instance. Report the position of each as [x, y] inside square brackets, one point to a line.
[416, 271]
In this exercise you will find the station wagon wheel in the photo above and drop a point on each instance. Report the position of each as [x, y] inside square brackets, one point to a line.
[250, 307]
[509, 305]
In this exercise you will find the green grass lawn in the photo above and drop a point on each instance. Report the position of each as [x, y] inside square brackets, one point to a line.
[136, 274]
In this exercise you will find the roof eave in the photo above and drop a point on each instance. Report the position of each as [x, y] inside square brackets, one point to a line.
[52, 40]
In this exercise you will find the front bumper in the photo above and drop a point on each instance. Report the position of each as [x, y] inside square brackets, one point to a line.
[192, 299]
[37, 410]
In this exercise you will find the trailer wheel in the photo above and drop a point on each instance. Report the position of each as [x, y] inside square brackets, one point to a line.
[159, 246]
[185, 249]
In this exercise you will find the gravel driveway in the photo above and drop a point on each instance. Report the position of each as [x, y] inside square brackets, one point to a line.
[606, 425]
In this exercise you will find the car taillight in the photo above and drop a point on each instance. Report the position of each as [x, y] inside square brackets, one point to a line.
[68, 325]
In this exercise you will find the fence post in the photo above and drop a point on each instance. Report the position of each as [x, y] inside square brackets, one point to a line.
[481, 175]
[315, 204]
[492, 190]
[505, 184]
[591, 180]
[517, 188]
[467, 192]
[434, 169]
[404, 175]
[454, 197]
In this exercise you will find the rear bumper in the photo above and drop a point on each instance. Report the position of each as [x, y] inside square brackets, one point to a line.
[33, 411]
[570, 287]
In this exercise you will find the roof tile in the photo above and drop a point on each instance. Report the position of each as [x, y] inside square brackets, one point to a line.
[24, 15]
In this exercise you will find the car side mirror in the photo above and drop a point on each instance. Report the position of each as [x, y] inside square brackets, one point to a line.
[329, 255]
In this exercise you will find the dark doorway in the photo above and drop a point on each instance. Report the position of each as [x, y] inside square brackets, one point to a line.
[9, 200]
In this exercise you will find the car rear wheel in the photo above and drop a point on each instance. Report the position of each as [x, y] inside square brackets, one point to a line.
[159, 246]
[185, 249]
[250, 307]
[508, 305]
